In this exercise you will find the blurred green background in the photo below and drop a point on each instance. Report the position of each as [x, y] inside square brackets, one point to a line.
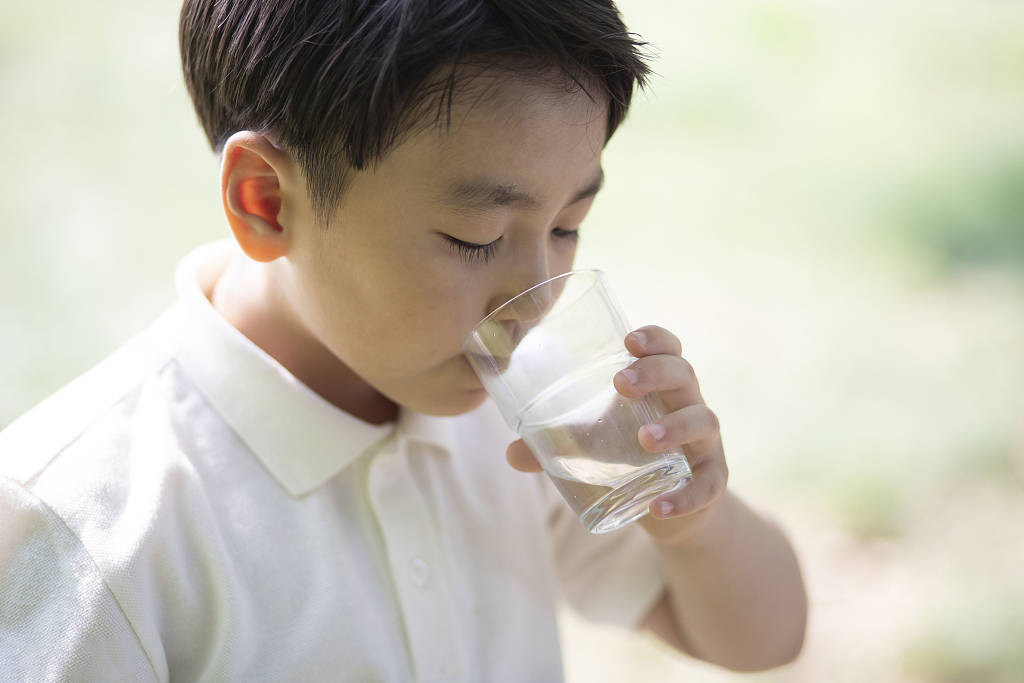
[823, 199]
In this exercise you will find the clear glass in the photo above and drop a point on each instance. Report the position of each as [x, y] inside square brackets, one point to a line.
[547, 357]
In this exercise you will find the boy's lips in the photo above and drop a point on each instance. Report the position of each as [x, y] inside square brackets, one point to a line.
[488, 364]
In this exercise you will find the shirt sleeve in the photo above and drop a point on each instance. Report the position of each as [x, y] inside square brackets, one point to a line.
[58, 619]
[614, 577]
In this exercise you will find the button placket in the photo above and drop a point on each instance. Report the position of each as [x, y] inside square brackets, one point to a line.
[415, 559]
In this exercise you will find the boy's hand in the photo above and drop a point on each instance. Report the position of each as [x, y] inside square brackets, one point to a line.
[676, 516]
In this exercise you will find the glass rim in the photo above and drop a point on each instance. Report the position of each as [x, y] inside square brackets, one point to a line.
[566, 275]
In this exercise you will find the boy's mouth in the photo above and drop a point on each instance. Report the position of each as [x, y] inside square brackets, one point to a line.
[488, 364]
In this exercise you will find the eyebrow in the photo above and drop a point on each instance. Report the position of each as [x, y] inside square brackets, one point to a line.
[488, 193]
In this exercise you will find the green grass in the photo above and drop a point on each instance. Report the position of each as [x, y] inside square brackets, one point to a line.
[870, 507]
[972, 215]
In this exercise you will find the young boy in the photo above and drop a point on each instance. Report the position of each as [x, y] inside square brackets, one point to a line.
[294, 475]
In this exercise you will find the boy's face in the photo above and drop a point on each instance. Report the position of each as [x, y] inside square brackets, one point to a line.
[392, 287]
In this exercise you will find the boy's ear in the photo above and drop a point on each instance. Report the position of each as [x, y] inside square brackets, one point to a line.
[252, 174]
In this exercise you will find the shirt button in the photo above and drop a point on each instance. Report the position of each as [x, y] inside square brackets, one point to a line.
[419, 572]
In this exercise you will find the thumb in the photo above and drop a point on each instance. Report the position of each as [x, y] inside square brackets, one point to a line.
[521, 457]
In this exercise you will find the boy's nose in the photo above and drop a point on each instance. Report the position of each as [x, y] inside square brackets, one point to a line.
[512, 323]
[524, 273]
[517, 319]
[527, 309]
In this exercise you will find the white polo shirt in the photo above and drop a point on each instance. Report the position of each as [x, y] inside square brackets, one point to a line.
[189, 511]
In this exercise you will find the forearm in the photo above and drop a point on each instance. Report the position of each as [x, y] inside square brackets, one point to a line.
[736, 596]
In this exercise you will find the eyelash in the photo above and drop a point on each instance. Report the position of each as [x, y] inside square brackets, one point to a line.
[472, 252]
[572, 236]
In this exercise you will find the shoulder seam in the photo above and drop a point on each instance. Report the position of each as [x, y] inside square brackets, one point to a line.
[95, 567]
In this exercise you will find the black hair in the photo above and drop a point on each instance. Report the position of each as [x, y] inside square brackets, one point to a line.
[337, 81]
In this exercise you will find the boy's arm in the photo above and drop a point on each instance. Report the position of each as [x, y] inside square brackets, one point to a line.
[735, 596]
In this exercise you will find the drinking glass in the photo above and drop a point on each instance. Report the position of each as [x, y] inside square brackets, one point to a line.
[547, 358]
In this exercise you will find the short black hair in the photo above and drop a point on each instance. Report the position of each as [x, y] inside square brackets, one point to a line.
[336, 81]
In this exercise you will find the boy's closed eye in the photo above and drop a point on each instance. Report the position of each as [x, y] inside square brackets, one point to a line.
[472, 251]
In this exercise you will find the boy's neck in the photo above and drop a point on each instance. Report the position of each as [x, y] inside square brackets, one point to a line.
[244, 296]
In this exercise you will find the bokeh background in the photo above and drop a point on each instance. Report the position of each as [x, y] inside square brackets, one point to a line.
[823, 198]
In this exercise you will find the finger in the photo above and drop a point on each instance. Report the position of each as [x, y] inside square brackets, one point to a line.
[521, 457]
[655, 373]
[671, 376]
[696, 426]
[710, 478]
[650, 340]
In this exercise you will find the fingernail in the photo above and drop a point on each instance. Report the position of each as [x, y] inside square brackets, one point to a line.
[656, 430]
[630, 376]
[641, 337]
[665, 508]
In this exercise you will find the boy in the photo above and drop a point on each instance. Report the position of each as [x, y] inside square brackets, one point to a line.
[293, 475]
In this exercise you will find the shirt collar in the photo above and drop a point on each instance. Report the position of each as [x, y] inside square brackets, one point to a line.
[300, 438]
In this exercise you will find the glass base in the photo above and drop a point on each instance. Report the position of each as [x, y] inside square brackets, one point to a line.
[631, 500]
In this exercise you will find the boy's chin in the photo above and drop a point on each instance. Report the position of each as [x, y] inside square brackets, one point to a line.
[450, 405]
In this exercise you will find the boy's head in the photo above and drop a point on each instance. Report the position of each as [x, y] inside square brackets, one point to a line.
[397, 169]
[338, 82]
